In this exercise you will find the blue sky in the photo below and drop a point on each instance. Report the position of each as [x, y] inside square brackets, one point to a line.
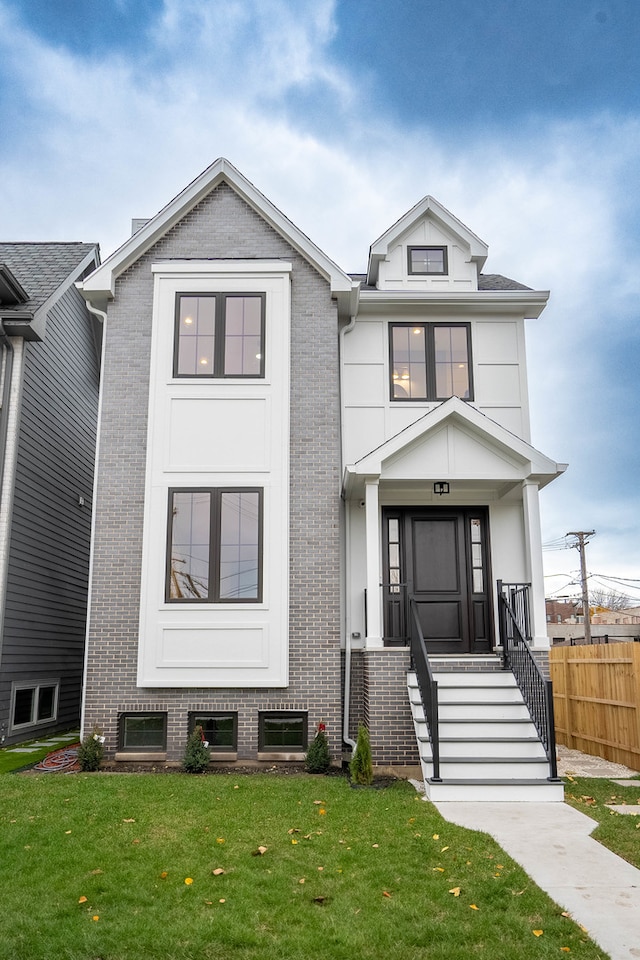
[521, 117]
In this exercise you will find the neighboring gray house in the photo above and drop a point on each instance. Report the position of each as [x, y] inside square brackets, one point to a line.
[303, 475]
[49, 380]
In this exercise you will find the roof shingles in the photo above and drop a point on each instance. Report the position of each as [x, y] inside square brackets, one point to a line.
[40, 268]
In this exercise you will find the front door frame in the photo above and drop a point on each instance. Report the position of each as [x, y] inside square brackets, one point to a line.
[398, 584]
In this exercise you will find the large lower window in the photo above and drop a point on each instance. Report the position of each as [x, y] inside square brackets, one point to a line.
[282, 732]
[430, 361]
[143, 732]
[219, 335]
[215, 545]
[34, 703]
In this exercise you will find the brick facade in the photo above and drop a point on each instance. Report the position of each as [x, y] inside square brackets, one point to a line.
[222, 225]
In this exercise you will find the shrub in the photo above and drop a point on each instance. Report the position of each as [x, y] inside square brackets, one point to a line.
[91, 750]
[361, 766]
[196, 754]
[318, 758]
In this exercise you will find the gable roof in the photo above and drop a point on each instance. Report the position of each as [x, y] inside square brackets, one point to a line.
[428, 205]
[525, 460]
[100, 286]
[35, 275]
[40, 268]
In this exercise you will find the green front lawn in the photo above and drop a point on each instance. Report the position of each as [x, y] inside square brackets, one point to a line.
[619, 832]
[121, 867]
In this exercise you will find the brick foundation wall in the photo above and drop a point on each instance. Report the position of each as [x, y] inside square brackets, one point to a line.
[222, 225]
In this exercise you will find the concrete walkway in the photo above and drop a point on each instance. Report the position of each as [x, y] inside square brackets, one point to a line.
[551, 842]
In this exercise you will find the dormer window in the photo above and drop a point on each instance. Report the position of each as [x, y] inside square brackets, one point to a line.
[429, 261]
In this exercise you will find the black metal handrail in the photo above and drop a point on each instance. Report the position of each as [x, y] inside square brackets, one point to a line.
[537, 691]
[427, 686]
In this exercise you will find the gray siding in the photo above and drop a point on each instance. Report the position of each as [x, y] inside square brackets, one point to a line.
[45, 610]
[221, 225]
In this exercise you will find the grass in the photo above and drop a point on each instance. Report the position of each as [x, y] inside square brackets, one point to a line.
[345, 873]
[11, 759]
[618, 831]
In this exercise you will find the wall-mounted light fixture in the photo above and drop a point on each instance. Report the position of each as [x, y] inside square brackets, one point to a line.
[440, 487]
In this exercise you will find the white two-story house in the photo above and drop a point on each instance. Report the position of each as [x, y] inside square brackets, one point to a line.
[309, 485]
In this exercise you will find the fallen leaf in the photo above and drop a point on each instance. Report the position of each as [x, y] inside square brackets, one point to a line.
[188, 881]
[385, 894]
[293, 830]
[164, 875]
[375, 845]
[443, 849]
[565, 913]
[82, 900]
[95, 918]
[66, 831]
[95, 873]
[472, 906]
[209, 903]
[439, 869]
[301, 880]
[537, 933]
[319, 803]
[412, 819]
[455, 891]
[499, 866]
[222, 899]
[130, 820]
[566, 949]
[320, 868]
[293, 840]
[262, 850]
[217, 872]
[322, 811]
[436, 836]
[135, 841]
[220, 840]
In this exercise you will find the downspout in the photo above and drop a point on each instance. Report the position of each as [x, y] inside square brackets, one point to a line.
[347, 635]
[102, 316]
[6, 391]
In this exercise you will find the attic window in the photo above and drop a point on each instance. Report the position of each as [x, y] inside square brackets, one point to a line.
[428, 260]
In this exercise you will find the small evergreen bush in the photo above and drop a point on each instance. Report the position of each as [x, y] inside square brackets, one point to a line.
[91, 750]
[196, 754]
[318, 758]
[361, 766]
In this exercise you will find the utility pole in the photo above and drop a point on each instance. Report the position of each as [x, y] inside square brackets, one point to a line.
[581, 542]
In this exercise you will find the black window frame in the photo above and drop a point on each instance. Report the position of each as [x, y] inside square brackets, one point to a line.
[430, 360]
[36, 686]
[220, 298]
[428, 273]
[281, 715]
[214, 545]
[139, 715]
[195, 715]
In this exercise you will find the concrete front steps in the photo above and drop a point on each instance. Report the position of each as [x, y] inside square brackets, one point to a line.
[489, 748]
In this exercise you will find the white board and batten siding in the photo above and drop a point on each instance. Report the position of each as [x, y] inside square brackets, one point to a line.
[217, 433]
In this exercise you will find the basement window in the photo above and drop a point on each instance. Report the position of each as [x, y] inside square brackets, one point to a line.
[283, 732]
[32, 704]
[143, 732]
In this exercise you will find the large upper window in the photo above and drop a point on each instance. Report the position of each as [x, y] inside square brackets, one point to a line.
[215, 545]
[427, 260]
[430, 361]
[219, 335]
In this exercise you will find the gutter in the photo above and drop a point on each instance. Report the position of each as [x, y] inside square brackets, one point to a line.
[347, 635]
[6, 391]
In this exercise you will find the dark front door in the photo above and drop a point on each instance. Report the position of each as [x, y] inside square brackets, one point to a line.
[444, 566]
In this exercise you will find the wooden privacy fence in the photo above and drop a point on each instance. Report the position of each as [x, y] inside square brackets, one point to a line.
[596, 697]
